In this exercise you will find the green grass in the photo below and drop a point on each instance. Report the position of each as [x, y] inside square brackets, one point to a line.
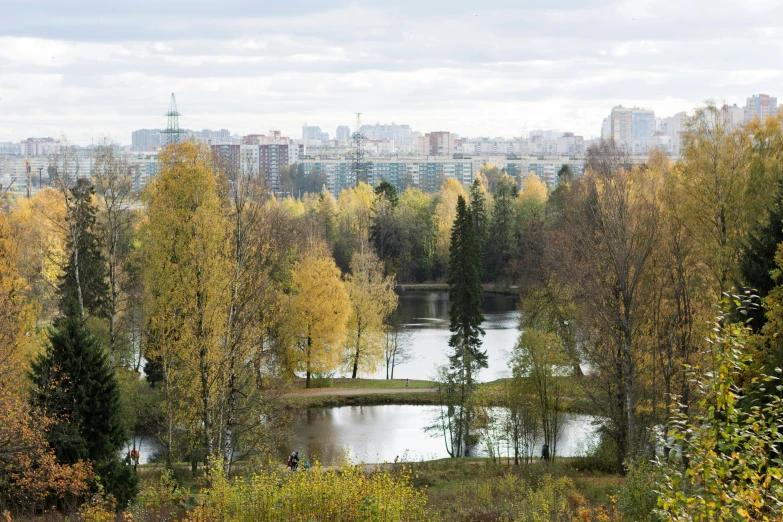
[373, 399]
[347, 383]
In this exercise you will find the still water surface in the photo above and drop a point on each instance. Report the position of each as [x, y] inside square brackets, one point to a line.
[381, 433]
[426, 325]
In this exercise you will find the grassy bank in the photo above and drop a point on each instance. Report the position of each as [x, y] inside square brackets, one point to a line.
[489, 288]
[374, 399]
[351, 384]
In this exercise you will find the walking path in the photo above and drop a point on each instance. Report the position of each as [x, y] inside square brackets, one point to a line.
[355, 391]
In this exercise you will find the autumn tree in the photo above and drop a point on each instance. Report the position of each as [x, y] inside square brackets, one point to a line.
[384, 231]
[445, 213]
[40, 237]
[539, 356]
[355, 210]
[531, 201]
[396, 343]
[372, 299]
[185, 242]
[417, 236]
[17, 313]
[33, 481]
[113, 178]
[320, 307]
[720, 202]
[607, 246]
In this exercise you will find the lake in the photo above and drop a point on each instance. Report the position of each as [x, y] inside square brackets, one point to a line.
[425, 316]
[374, 434]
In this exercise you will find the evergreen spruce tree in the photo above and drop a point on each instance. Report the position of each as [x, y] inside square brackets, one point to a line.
[478, 212]
[502, 228]
[387, 191]
[75, 385]
[466, 296]
[758, 255]
[84, 253]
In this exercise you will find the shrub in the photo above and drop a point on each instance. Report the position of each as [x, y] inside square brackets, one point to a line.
[730, 467]
[346, 495]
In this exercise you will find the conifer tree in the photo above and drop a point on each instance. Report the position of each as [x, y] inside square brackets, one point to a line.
[83, 287]
[478, 211]
[502, 227]
[75, 385]
[466, 296]
[758, 256]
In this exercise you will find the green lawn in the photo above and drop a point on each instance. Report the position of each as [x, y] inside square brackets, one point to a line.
[381, 384]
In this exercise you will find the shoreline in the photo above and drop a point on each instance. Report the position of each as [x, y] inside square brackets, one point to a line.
[489, 288]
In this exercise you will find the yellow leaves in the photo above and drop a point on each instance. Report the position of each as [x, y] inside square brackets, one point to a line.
[17, 313]
[533, 189]
[320, 309]
[346, 495]
[372, 300]
[445, 212]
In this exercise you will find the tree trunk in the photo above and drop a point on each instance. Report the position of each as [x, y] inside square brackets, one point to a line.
[355, 361]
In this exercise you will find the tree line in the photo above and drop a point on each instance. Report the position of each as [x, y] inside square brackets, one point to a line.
[221, 295]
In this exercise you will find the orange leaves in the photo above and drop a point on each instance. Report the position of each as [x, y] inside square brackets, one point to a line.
[35, 479]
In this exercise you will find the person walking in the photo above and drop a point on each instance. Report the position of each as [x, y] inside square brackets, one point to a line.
[294, 461]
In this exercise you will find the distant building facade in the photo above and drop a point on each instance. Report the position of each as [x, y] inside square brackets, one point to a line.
[761, 106]
[146, 140]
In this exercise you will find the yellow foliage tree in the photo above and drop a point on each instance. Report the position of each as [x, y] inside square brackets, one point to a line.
[372, 300]
[39, 232]
[319, 311]
[17, 314]
[533, 189]
[355, 211]
[187, 277]
[445, 212]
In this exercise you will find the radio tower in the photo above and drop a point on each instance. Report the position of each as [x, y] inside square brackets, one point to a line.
[172, 128]
[357, 169]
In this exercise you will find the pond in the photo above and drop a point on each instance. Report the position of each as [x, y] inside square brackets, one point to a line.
[425, 316]
[374, 434]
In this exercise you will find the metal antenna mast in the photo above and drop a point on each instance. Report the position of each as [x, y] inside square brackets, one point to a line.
[357, 169]
[172, 128]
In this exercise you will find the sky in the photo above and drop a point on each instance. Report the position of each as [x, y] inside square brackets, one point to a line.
[90, 70]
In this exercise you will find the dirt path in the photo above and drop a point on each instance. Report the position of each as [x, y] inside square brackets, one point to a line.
[355, 391]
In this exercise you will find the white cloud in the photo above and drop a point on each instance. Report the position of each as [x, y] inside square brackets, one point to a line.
[477, 69]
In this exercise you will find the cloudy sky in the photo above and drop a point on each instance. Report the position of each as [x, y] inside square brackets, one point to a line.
[90, 69]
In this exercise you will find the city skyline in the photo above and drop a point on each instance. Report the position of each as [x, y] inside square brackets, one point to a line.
[88, 70]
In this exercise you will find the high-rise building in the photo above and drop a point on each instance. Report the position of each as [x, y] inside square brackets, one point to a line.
[570, 145]
[145, 140]
[403, 137]
[761, 106]
[343, 133]
[273, 156]
[311, 133]
[733, 115]
[439, 143]
[632, 127]
[39, 146]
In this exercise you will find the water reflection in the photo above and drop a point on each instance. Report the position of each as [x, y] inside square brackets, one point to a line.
[426, 319]
[381, 433]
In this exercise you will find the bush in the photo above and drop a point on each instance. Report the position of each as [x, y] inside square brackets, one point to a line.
[347, 495]
[729, 468]
[636, 500]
